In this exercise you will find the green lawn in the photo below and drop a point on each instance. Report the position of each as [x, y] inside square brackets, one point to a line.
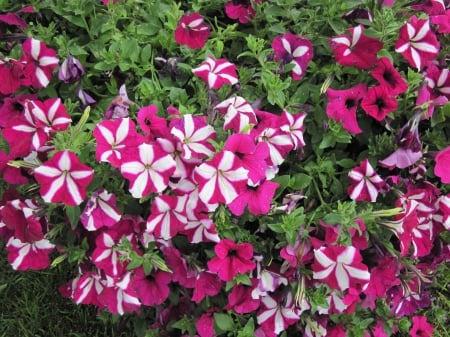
[31, 306]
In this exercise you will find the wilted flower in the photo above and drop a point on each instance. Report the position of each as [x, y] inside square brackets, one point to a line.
[71, 70]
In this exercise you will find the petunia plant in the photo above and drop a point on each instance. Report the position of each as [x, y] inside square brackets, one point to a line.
[232, 168]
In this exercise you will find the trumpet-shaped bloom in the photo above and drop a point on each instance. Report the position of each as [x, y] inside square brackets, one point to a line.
[378, 103]
[340, 267]
[192, 31]
[119, 296]
[148, 169]
[113, 137]
[221, 179]
[231, 259]
[216, 73]
[276, 314]
[420, 327]
[293, 125]
[193, 134]
[11, 73]
[388, 77]
[239, 115]
[87, 288]
[64, 179]
[294, 50]
[365, 183]
[442, 169]
[40, 63]
[252, 156]
[100, 211]
[257, 199]
[167, 216]
[241, 10]
[342, 106]
[152, 289]
[32, 130]
[417, 42]
[356, 50]
[29, 255]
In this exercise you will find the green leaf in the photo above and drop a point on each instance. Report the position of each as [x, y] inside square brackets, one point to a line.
[224, 322]
[248, 330]
[73, 213]
[243, 279]
[299, 181]
[149, 29]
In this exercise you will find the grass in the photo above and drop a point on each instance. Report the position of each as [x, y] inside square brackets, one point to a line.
[31, 306]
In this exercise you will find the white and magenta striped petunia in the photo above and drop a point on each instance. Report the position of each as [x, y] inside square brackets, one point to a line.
[193, 135]
[417, 42]
[340, 267]
[29, 255]
[220, 179]
[148, 169]
[293, 125]
[358, 50]
[106, 255]
[365, 183]
[87, 288]
[276, 314]
[167, 216]
[40, 63]
[64, 178]
[294, 50]
[32, 130]
[113, 137]
[119, 296]
[239, 115]
[100, 211]
[216, 73]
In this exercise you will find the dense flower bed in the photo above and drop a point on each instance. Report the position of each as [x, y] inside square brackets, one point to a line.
[235, 168]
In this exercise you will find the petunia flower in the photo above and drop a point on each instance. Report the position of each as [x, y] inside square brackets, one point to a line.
[231, 259]
[277, 314]
[152, 289]
[293, 125]
[409, 149]
[64, 179]
[442, 21]
[387, 76]
[365, 183]
[378, 102]
[113, 138]
[33, 128]
[221, 179]
[119, 105]
[241, 10]
[88, 287]
[342, 106]
[438, 81]
[148, 169]
[251, 156]
[240, 299]
[100, 211]
[442, 167]
[417, 42]
[294, 50]
[192, 31]
[29, 255]
[194, 135]
[238, 114]
[357, 50]
[119, 296]
[167, 216]
[420, 327]
[152, 125]
[340, 267]
[11, 73]
[431, 7]
[40, 61]
[256, 198]
[216, 73]
[71, 70]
